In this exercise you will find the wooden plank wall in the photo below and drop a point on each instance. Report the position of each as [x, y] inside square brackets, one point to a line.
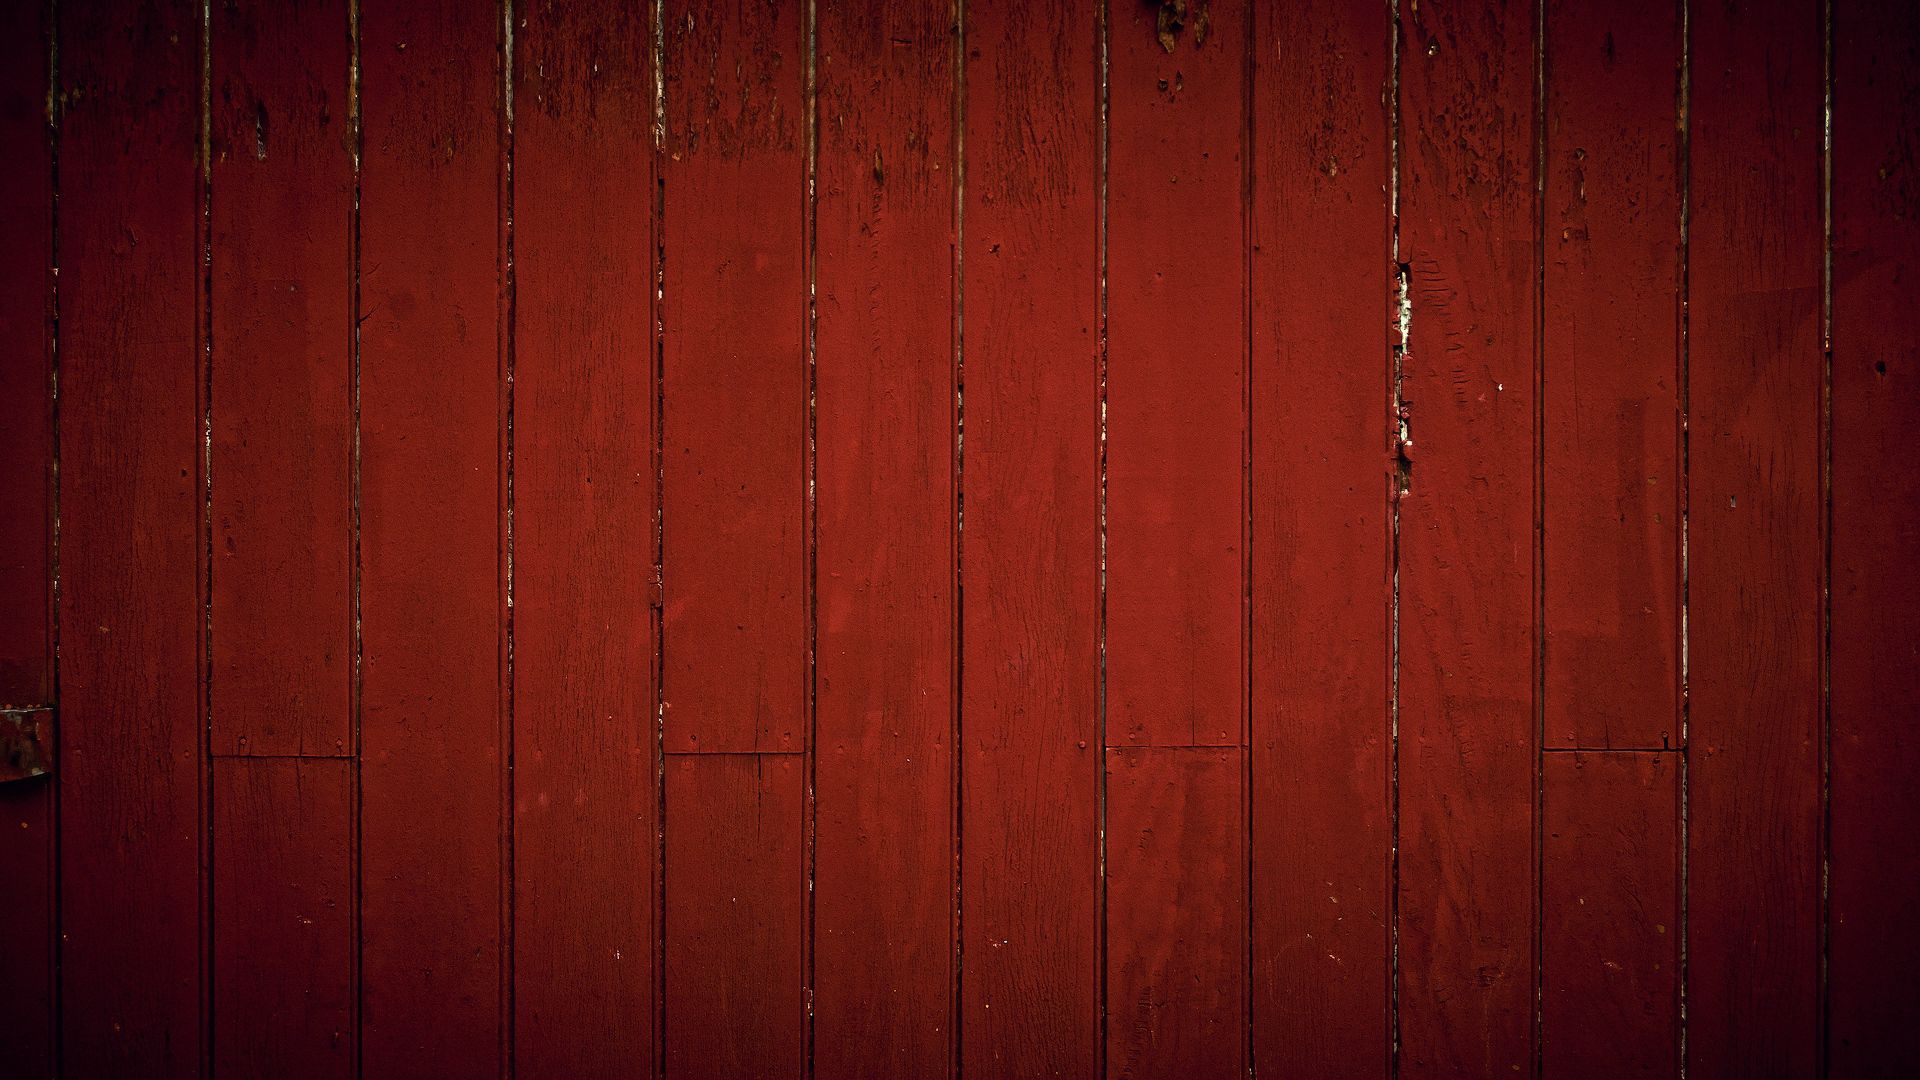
[917, 537]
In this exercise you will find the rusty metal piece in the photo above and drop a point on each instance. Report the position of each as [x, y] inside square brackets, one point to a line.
[26, 743]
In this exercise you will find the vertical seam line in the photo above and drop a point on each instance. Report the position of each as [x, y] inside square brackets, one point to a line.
[508, 300]
[1396, 366]
[1103, 40]
[810, 525]
[356, 692]
[204, 527]
[1684, 92]
[1539, 554]
[1824, 1019]
[957, 286]
[55, 950]
[657, 592]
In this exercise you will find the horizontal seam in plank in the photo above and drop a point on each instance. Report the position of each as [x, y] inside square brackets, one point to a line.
[1610, 749]
[736, 753]
[226, 756]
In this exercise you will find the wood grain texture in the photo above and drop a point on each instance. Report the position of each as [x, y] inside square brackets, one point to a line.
[1176, 387]
[1467, 745]
[1176, 913]
[1321, 592]
[1298, 698]
[884, 916]
[1175, 412]
[431, 738]
[1610, 375]
[26, 402]
[735, 879]
[27, 833]
[735, 631]
[1875, 633]
[1754, 555]
[283, 917]
[585, 771]
[1610, 915]
[131, 550]
[281, 379]
[1030, 731]
[29, 917]
[735, 378]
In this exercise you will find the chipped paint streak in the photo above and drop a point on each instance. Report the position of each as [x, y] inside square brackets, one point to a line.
[1402, 408]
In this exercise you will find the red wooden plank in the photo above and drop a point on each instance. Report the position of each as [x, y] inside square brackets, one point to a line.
[735, 378]
[735, 625]
[884, 353]
[1610, 375]
[1029, 708]
[430, 498]
[1176, 913]
[585, 772]
[281, 379]
[1754, 552]
[26, 483]
[27, 915]
[1875, 631]
[283, 917]
[131, 503]
[1610, 915]
[734, 884]
[26, 413]
[1466, 724]
[1176, 281]
[1321, 590]
[1175, 411]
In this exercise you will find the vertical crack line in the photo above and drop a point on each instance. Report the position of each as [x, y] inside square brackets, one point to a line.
[1539, 552]
[204, 314]
[1684, 135]
[958, 291]
[1400, 337]
[1823, 1037]
[1103, 35]
[810, 526]
[355, 681]
[52, 314]
[1247, 175]
[657, 539]
[507, 317]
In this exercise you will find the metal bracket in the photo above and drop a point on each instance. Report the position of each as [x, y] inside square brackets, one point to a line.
[26, 743]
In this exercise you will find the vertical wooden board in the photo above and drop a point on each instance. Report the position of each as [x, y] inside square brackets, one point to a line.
[1754, 550]
[1610, 915]
[734, 317]
[1176, 387]
[884, 914]
[1176, 913]
[1321, 589]
[26, 481]
[1875, 633]
[735, 882]
[585, 775]
[283, 917]
[430, 499]
[27, 919]
[1610, 375]
[1030, 562]
[735, 624]
[1466, 723]
[130, 508]
[281, 378]
[26, 409]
